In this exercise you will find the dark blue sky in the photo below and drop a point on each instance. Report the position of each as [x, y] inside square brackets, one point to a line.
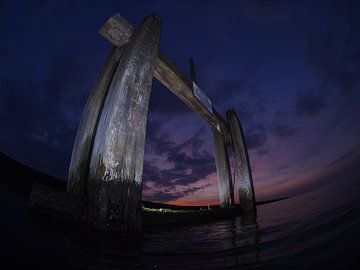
[290, 68]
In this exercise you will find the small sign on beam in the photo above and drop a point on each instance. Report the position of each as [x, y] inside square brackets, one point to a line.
[200, 95]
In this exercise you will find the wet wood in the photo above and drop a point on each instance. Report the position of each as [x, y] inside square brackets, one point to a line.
[243, 177]
[225, 186]
[82, 148]
[116, 167]
[118, 31]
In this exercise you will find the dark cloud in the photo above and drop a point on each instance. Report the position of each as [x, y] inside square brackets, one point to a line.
[309, 105]
[225, 90]
[283, 130]
[255, 139]
[41, 117]
[167, 195]
[165, 103]
[190, 163]
[283, 125]
[246, 97]
[348, 155]
[262, 151]
[336, 53]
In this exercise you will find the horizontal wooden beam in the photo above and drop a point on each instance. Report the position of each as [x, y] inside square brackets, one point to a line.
[118, 31]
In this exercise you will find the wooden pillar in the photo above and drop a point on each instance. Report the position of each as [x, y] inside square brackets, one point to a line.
[243, 177]
[80, 159]
[226, 190]
[116, 167]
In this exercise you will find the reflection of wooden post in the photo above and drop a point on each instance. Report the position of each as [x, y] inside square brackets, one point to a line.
[243, 177]
[81, 154]
[226, 193]
[116, 167]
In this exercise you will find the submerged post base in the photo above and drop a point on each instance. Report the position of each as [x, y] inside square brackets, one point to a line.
[63, 206]
[118, 212]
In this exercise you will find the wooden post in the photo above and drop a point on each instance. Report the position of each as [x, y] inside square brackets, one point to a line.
[118, 31]
[226, 191]
[116, 167]
[80, 159]
[243, 177]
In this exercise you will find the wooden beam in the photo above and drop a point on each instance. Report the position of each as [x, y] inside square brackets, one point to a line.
[115, 174]
[118, 31]
[80, 158]
[243, 176]
[225, 186]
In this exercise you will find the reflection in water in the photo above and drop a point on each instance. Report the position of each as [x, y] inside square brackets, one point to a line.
[92, 249]
[241, 240]
[305, 232]
[226, 243]
[250, 235]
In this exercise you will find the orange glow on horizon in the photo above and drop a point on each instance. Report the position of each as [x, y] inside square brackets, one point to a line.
[182, 202]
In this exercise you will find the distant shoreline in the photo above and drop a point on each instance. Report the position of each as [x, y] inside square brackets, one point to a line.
[19, 178]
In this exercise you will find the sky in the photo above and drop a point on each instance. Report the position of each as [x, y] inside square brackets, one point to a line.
[291, 70]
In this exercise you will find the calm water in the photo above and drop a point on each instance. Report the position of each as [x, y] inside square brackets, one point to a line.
[317, 230]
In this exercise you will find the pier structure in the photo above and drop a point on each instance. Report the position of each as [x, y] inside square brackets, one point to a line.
[107, 160]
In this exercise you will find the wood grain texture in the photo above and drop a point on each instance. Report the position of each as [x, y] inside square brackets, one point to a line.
[243, 177]
[80, 158]
[116, 167]
[118, 31]
[225, 186]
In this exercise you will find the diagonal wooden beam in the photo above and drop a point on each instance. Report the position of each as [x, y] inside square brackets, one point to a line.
[118, 31]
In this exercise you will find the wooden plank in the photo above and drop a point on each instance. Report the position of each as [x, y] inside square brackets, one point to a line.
[225, 186]
[116, 167]
[80, 158]
[243, 177]
[118, 31]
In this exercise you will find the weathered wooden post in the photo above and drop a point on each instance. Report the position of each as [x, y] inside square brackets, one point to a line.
[225, 186]
[116, 167]
[81, 154]
[243, 177]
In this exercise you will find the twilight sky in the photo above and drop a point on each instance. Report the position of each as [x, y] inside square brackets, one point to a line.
[291, 69]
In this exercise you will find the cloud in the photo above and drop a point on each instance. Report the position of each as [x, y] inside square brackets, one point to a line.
[166, 195]
[165, 103]
[345, 157]
[309, 105]
[255, 139]
[189, 163]
[40, 118]
[283, 125]
[262, 151]
[336, 53]
[283, 130]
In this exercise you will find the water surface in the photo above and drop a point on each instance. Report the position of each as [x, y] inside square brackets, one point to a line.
[316, 230]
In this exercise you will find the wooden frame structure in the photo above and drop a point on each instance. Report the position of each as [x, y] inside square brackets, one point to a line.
[107, 160]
